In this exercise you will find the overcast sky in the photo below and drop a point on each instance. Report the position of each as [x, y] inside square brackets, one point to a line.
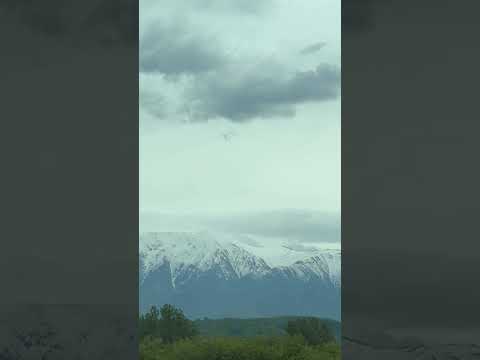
[239, 106]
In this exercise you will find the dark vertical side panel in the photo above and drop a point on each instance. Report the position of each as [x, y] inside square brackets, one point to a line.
[410, 179]
[69, 169]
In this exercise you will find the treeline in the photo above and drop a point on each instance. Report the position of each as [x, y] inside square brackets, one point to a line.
[166, 334]
[265, 326]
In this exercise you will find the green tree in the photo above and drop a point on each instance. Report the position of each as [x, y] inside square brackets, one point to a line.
[169, 324]
[312, 329]
[149, 323]
[175, 325]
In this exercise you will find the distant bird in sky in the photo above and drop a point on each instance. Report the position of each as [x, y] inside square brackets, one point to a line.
[227, 136]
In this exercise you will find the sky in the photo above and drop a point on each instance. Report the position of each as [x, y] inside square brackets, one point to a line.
[240, 109]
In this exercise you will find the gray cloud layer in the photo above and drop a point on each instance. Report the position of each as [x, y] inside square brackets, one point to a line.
[308, 226]
[213, 79]
[173, 51]
[299, 225]
[263, 93]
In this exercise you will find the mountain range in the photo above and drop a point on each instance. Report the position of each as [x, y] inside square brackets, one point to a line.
[222, 275]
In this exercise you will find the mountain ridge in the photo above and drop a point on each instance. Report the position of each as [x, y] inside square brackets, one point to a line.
[182, 267]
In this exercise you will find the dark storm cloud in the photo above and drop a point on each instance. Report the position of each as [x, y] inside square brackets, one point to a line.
[172, 51]
[312, 48]
[110, 21]
[263, 93]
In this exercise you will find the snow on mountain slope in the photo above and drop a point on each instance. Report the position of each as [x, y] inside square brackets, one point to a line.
[319, 259]
[325, 266]
[188, 254]
[231, 275]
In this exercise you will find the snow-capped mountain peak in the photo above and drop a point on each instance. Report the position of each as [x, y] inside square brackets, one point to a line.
[188, 254]
[217, 274]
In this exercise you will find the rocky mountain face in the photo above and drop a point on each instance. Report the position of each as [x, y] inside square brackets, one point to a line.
[211, 275]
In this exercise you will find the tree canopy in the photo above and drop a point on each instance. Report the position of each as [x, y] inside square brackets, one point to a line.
[312, 329]
[169, 324]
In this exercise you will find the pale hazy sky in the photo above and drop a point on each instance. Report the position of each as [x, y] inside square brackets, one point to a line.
[239, 106]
